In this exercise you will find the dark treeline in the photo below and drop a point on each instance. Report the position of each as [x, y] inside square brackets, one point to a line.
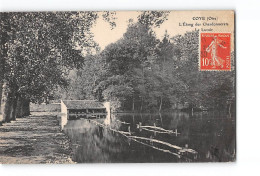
[141, 73]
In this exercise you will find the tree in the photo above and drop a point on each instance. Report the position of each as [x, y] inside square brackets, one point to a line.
[203, 88]
[37, 52]
[83, 81]
[127, 59]
[141, 73]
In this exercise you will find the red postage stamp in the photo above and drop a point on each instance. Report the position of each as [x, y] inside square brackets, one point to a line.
[215, 51]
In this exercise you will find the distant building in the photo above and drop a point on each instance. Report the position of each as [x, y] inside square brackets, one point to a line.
[75, 109]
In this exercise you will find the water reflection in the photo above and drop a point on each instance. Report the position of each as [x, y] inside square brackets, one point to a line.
[175, 137]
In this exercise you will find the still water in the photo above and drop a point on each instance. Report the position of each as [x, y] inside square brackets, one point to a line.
[173, 137]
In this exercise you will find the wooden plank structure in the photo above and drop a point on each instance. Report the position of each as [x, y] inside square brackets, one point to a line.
[75, 109]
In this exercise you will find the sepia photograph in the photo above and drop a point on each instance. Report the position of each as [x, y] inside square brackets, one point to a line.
[117, 87]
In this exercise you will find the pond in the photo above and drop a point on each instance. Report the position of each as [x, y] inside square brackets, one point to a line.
[171, 137]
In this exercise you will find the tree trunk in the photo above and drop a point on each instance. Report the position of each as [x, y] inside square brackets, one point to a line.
[160, 107]
[7, 107]
[18, 107]
[3, 100]
[10, 102]
[141, 109]
[161, 118]
[5, 28]
[1, 105]
[133, 107]
[1, 81]
[2, 68]
[229, 109]
[25, 109]
[1, 91]
[13, 107]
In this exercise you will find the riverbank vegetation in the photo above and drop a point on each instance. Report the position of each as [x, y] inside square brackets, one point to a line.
[140, 73]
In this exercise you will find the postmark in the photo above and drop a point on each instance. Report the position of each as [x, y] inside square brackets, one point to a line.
[215, 52]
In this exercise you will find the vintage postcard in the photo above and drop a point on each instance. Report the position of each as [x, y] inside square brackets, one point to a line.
[117, 87]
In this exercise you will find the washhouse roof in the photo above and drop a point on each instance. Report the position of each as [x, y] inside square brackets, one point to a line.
[83, 104]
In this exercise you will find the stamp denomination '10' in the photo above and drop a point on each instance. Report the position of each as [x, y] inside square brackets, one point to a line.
[215, 51]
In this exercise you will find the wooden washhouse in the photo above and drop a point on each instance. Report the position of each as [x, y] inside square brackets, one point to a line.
[75, 109]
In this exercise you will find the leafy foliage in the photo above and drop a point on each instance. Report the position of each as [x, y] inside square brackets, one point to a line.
[141, 73]
[41, 48]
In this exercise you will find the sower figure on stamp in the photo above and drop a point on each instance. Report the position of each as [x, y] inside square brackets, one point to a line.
[212, 49]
